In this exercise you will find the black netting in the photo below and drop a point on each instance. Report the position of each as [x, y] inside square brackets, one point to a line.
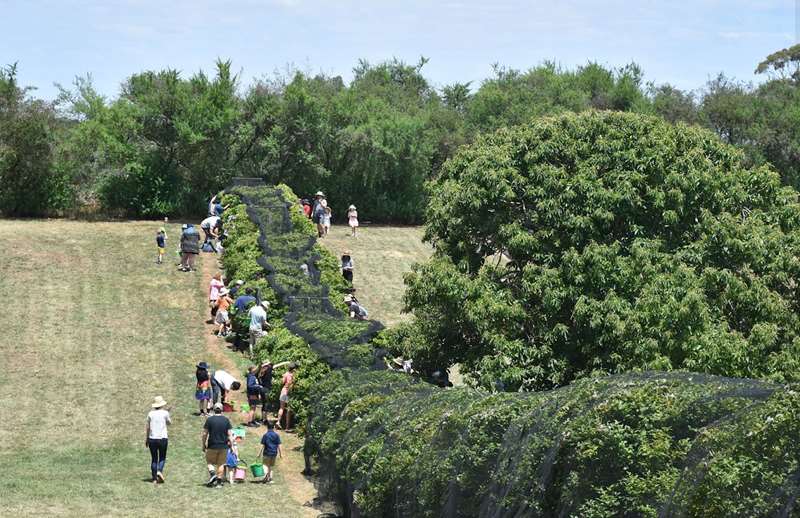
[644, 444]
[648, 444]
[290, 261]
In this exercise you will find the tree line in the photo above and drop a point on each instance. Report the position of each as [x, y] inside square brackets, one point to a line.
[166, 141]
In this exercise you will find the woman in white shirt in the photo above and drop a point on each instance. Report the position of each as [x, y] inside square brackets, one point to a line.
[157, 422]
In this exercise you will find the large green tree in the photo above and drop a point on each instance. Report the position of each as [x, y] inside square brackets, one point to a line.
[607, 242]
[29, 184]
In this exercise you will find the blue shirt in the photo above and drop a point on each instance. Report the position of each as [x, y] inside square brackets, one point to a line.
[243, 301]
[218, 209]
[271, 440]
[253, 387]
[160, 240]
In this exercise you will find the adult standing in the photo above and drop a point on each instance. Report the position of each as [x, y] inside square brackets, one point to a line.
[157, 422]
[190, 247]
[318, 213]
[222, 382]
[215, 208]
[214, 287]
[258, 322]
[287, 383]
[215, 440]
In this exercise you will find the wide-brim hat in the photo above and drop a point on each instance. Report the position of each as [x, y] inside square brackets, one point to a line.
[347, 252]
[158, 402]
[265, 304]
[319, 193]
[161, 229]
[224, 291]
[202, 365]
[265, 363]
[348, 298]
[239, 282]
[352, 207]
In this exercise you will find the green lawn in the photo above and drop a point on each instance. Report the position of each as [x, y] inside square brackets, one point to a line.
[381, 255]
[92, 331]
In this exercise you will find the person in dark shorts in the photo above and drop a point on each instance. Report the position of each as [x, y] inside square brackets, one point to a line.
[270, 449]
[253, 395]
[216, 438]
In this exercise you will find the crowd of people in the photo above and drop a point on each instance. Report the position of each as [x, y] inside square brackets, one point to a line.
[220, 442]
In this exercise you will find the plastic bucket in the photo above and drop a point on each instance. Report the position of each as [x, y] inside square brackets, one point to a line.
[257, 469]
[245, 407]
[227, 407]
[240, 473]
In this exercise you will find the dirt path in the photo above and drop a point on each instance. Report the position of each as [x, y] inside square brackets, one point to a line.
[300, 488]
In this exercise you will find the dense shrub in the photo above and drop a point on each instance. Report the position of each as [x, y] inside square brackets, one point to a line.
[608, 242]
[630, 445]
[269, 239]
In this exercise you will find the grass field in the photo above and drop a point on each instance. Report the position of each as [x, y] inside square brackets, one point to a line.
[92, 331]
[381, 255]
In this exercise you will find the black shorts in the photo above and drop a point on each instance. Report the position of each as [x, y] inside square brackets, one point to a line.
[253, 400]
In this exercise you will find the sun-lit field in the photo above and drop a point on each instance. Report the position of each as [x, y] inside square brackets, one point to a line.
[92, 331]
[381, 254]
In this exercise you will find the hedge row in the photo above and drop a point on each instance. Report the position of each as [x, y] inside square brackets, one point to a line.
[268, 240]
[651, 444]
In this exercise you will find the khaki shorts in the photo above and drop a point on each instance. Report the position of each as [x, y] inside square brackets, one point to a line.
[216, 457]
[255, 334]
[268, 461]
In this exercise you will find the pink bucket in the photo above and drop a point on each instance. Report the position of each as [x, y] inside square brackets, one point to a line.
[239, 474]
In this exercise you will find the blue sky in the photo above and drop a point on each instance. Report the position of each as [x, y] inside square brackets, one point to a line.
[679, 41]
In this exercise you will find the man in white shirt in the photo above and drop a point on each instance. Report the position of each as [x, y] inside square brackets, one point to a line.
[221, 382]
[258, 322]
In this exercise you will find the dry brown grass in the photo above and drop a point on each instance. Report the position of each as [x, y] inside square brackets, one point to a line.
[382, 255]
[92, 330]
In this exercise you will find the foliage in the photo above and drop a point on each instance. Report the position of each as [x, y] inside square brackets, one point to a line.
[280, 345]
[630, 445]
[31, 185]
[162, 146]
[607, 242]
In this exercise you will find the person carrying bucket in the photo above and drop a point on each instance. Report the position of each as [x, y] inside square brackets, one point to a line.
[270, 449]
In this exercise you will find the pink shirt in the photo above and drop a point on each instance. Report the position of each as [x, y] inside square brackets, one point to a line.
[213, 290]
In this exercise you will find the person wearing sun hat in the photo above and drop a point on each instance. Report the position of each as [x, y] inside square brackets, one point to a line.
[157, 422]
[318, 214]
[352, 219]
[258, 322]
[224, 301]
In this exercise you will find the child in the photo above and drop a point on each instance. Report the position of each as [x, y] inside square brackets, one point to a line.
[347, 267]
[326, 220]
[253, 395]
[352, 219]
[161, 242]
[231, 459]
[203, 391]
[224, 301]
[271, 448]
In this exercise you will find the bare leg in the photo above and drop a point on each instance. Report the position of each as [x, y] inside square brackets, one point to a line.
[280, 413]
